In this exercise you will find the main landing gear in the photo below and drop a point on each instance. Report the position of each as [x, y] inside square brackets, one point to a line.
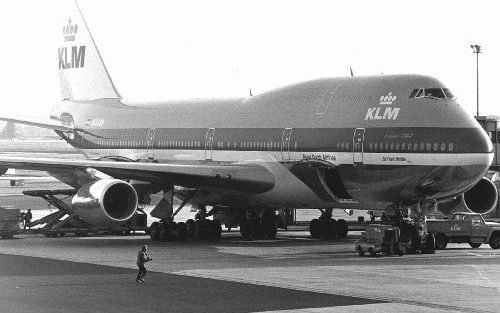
[328, 228]
[201, 228]
[259, 224]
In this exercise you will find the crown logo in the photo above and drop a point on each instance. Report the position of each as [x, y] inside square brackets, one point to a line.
[69, 31]
[388, 100]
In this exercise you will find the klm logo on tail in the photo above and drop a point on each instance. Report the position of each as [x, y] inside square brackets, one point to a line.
[384, 111]
[74, 56]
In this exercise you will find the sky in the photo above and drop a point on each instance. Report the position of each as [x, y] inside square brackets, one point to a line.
[196, 49]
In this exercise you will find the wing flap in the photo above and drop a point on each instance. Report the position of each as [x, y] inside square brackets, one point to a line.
[248, 178]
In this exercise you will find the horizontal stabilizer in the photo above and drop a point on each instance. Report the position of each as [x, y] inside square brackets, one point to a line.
[39, 122]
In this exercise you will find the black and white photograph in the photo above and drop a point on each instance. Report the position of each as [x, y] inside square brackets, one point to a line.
[249, 156]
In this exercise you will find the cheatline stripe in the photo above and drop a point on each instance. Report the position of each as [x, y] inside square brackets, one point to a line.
[335, 158]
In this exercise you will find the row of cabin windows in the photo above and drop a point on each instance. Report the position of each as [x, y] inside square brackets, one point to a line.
[177, 144]
[402, 147]
[276, 145]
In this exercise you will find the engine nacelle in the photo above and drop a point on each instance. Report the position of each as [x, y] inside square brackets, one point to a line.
[482, 198]
[105, 202]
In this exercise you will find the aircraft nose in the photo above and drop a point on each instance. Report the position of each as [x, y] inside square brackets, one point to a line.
[480, 148]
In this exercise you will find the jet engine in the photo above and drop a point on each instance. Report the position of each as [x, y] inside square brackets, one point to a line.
[105, 202]
[482, 198]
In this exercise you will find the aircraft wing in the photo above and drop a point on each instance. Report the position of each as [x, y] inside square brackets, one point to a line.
[248, 178]
[39, 122]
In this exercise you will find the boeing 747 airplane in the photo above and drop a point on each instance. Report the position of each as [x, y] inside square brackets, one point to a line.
[379, 143]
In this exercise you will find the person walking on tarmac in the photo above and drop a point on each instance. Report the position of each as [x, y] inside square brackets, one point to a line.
[142, 258]
[27, 219]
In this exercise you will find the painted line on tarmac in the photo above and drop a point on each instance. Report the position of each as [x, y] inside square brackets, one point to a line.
[337, 293]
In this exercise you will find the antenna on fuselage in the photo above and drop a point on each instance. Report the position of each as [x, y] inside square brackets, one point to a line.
[250, 90]
[352, 74]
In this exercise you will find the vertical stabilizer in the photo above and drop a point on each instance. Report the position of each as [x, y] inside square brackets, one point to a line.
[9, 131]
[82, 73]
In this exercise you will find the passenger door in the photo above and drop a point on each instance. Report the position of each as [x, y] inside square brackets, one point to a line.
[357, 146]
[285, 143]
[209, 141]
[150, 143]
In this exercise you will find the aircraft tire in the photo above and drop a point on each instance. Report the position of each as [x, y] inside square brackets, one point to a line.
[183, 231]
[216, 229]
[314, 228]
[164, 232]
[342, 229]
[154, 231]
[191, 227]
[201, 231]
[245, 228]
[269, 226]
[330, 229]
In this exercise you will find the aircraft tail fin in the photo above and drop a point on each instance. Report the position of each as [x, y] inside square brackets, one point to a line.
[82, 73]
[9, 131]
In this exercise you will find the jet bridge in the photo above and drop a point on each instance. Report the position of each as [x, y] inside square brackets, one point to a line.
[64, 220]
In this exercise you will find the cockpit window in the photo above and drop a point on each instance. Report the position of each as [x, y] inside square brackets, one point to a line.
[448, 93]
[434, 93]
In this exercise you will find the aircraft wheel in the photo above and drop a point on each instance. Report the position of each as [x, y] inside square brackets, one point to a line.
[154, 231]
[164, 232]
[314, 228]
[474, 245]
[342, 229]
[495, 241]
[203, 229]
[216, 229]
[182, 230]
[245, 228]
[270, 228]
[191, 227]
[330, 229]
[441, 241]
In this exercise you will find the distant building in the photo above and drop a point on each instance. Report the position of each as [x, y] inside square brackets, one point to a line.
[491, 125]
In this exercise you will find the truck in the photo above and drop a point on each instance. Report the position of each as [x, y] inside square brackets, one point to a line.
[10, 222]
[380, 238]
[465, 227]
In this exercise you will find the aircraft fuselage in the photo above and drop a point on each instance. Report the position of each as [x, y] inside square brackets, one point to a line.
[386, 146]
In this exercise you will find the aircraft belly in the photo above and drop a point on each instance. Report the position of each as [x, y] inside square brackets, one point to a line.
[385, 185]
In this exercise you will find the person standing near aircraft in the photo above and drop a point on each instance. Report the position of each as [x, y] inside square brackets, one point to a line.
[142, 258]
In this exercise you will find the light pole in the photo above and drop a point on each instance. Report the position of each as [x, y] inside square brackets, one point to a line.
[477, 49]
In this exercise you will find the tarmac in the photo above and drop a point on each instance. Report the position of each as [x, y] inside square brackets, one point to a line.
[291, 274]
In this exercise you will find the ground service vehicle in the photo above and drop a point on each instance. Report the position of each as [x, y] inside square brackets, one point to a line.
[10, 222]
[465, 227]
[380, 238]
